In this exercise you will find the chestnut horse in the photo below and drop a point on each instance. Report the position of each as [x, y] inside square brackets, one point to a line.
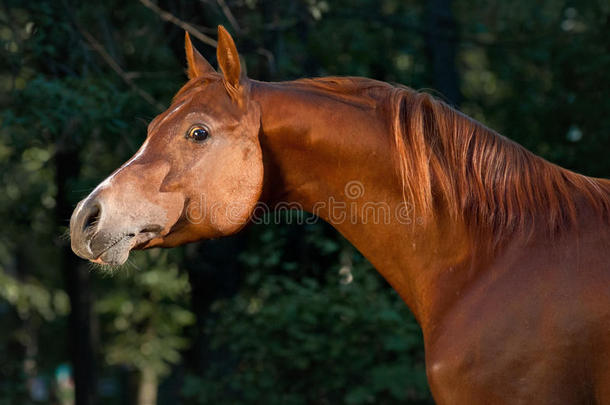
[503, 257]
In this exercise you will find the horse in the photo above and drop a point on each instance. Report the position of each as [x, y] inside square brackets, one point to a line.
[502, 257]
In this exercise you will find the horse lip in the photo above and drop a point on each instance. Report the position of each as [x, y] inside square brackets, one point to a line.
[108, 248]
[135, 240]
[144, 237]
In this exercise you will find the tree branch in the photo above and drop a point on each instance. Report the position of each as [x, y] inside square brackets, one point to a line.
[227, 12]
[182, 24]
[115, 66]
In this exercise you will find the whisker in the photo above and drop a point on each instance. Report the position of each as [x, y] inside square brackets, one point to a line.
[83, 190]
[65, 235]
[144, 120]
[133, 264]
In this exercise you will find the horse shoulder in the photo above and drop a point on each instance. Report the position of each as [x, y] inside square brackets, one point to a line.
[533, 328]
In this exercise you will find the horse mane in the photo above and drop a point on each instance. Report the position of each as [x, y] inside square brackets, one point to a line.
[445, 157]
[489, 180]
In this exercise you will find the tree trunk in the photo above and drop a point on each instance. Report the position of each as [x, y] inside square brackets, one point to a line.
[148, 387]
[80, 347]
[441, 42]
[214, 272]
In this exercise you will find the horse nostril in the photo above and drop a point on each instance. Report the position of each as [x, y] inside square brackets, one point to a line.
[92, 218]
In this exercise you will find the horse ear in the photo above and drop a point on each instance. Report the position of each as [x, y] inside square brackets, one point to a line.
[228, 58]
[197, 65]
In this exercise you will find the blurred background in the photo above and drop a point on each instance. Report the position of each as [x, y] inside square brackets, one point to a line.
[283, 313]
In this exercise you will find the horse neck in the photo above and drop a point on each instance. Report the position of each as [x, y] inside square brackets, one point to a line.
[333, 158]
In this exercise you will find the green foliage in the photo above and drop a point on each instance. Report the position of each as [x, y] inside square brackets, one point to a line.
[30, 297]
[295, 339]
[145, 314]
[534, 73]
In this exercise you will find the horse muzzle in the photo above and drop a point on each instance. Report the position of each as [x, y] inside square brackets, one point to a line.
[95, 236]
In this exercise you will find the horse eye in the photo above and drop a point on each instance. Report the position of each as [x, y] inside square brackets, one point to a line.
[197, 133]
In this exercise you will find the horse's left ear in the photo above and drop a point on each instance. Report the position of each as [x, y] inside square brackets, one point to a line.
[228, 61]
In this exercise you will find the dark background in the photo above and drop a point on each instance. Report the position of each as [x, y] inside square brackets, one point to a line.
[263, 317]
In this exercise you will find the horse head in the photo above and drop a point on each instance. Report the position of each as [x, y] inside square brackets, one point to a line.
[198, 175]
